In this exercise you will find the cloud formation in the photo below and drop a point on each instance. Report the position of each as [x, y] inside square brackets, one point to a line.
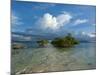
[80, 21]
[15, 20]
[89, 34]
[48, 21]
[43, 6]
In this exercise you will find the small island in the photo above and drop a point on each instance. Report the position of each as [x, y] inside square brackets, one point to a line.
[67, 41]
[43, 43]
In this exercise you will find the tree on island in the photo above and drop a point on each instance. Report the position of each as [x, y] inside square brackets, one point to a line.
[43, 43]
[67, 41]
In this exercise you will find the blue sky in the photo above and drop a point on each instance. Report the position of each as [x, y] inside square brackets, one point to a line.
[38, 17]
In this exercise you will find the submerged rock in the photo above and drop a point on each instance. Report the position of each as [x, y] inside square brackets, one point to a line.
[18, 46]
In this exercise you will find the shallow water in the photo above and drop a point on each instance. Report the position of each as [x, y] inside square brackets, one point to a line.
[33, 60]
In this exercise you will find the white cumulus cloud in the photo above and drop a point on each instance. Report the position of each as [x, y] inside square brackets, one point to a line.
[48, 21]
[54, 22]
[92, 35]
[80, 21]
[15, 20]
[63, 19]
[89, 34]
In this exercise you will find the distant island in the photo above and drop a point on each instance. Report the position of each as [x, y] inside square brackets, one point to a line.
[43, 43]
[63, 42]
[67, 41]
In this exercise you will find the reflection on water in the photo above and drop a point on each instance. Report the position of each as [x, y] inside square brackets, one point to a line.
[48, 59]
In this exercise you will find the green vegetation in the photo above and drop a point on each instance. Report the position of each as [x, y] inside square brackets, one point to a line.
[43, 43]
[67, 41]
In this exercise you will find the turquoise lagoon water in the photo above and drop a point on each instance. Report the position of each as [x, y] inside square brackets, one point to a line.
[35, 60]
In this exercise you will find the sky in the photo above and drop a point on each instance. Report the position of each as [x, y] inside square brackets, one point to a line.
[39, 17]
